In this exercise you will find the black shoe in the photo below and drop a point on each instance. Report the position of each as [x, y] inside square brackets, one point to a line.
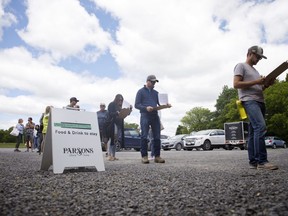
[253, 165]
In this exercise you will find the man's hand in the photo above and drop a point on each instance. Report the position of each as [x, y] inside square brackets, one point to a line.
[149, 108]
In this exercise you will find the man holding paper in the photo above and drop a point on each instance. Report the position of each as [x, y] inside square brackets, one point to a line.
[147, 102]
[250, 85]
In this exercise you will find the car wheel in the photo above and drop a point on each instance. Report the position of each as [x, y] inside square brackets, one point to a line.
[206, 145]
[118, 147]
[228, 147]
[284, 145]
[246, 146]
[274, 146]
[178, 147]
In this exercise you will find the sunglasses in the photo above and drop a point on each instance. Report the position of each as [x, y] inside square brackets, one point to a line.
[258, 56]
[153, 82]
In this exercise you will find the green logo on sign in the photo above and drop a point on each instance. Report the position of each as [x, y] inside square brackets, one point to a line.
[73, 125]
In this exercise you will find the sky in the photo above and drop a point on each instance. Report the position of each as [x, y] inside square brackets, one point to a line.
[51, 50]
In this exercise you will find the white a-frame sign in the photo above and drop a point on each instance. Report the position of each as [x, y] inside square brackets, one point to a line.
[72, 140]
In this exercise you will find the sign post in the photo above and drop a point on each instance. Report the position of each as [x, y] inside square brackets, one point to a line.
[72, 140]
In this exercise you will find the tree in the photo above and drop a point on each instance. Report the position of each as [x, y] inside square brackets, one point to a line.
[276, 109]
[181, 130]
[131, 125]
[5, 136]
[224, 98]
[226, 109]
[197, 119]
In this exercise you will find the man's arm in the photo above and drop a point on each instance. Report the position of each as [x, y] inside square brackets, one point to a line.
[138, 101]
[239, 83]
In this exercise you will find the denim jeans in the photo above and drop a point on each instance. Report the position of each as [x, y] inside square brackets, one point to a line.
[257, 152]
[35, 143]
[39, 141]
[152, 120]
[112, 146]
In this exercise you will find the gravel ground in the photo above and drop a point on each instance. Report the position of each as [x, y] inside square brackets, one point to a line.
[217, 182]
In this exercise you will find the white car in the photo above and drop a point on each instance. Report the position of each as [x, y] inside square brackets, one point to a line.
[175, 142]
[205, 139]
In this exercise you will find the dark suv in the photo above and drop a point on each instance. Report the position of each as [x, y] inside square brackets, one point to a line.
[132, 139]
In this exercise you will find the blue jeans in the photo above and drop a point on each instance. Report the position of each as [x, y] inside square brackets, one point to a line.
[152, 120]
[152, 147]
[112, 147]
[257, 152]
[35, 143]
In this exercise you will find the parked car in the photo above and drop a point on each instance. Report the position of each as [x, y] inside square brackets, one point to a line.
[132, 139]
[274, 142]
[163, 137]
[175, 142]
[205, 139]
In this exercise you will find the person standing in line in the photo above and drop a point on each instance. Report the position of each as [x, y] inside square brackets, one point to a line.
[39, 133]
[73, 104]
[35, 138]
[29, 131]
[146, 101]
[45, 126]
[20, 128]
[114, 126]
[102, 115]
[250, 87]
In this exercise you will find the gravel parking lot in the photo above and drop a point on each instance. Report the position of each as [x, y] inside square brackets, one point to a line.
[217, 182]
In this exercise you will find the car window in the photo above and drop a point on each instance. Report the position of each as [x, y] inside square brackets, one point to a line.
[164, 137]
[126, 133]
[220, 133]
[213, 133]
[134, 133]
[203, 132]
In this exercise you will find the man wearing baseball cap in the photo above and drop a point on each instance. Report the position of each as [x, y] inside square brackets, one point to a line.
[146, 100]
[73, 104]
[250, 85]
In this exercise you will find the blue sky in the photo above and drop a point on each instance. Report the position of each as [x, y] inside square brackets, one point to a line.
[51, 50]
[107, 22]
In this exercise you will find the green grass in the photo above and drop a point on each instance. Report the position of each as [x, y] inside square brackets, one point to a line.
[11, 145]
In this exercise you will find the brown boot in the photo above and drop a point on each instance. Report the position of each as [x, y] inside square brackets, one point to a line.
[145, 160]
[158, 159]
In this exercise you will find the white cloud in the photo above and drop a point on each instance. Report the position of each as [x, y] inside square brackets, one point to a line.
[177, 40]
[63, 28]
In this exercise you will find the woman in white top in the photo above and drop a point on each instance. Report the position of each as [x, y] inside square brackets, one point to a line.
[20, 128]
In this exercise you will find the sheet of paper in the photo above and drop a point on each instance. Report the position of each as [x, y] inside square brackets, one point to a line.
[163, 99]
[126, 104]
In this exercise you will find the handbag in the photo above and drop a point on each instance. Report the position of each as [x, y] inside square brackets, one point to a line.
[14, 132]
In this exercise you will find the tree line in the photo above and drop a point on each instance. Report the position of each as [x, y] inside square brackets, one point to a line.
[276, 99]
